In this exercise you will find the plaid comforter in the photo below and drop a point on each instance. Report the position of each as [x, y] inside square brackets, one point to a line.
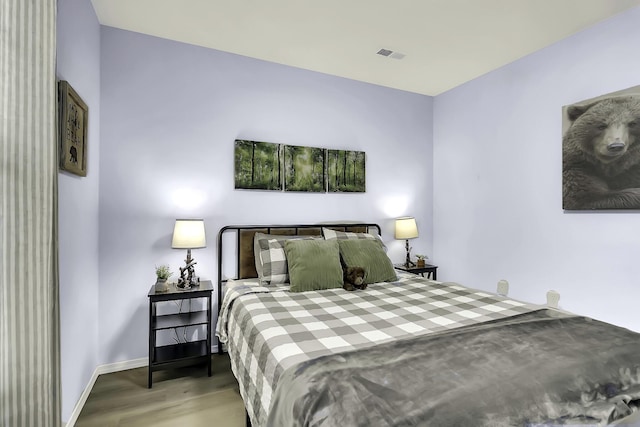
[269, 329]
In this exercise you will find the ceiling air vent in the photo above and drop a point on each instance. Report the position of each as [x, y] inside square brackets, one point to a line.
[390, 54]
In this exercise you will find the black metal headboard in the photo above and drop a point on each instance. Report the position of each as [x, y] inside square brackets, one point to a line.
[245, 261]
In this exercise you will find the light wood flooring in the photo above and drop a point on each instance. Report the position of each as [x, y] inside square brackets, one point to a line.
[183, 397]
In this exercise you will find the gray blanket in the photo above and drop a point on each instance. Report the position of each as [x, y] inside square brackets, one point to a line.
[540, 368]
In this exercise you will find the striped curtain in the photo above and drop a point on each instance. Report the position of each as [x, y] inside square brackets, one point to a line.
[29, 318]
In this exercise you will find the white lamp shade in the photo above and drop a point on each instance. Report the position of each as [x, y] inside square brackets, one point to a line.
[189, 234]
[406, 228]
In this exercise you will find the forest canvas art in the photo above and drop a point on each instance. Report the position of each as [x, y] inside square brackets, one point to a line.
[257, 165]
[304, 169]
[346, 171]
[269, 166]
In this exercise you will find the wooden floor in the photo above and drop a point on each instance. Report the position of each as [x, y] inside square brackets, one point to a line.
[180, 397]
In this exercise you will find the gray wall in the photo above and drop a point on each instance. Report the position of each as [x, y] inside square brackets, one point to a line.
[170, 115]
[498, 179]
[78, 62]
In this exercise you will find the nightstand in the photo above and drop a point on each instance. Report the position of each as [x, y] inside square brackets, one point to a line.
[428, 268]
[184, 353]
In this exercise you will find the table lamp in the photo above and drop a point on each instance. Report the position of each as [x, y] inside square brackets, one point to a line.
[188, 234]
[406, 229]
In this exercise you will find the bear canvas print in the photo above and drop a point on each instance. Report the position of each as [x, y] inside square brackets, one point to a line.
[601, 152]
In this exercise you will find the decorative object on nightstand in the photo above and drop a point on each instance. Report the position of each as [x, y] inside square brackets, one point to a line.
[406, 229]
[162, 274]
[421, 260]
[188, 234]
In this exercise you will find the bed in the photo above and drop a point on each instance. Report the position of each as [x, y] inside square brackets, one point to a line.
[406, 351]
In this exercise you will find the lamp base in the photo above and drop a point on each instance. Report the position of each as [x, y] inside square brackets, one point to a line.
[188, 278]
[408, 263]
[188, 285]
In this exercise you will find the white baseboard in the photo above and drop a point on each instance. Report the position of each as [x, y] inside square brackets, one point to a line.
[83, 398]
[122, 366]
[102, 369]
[107, 369]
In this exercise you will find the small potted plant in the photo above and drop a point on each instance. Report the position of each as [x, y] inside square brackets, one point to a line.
[162, 274]
[421, 258]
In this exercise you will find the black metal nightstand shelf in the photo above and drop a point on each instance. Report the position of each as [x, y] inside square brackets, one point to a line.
[428, 268]
[186, 353]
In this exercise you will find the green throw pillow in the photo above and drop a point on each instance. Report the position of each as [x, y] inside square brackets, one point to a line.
[368, 254]
[313, 264]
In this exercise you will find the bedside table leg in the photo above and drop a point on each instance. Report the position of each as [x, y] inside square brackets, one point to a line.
[152, 343]
[209, 321]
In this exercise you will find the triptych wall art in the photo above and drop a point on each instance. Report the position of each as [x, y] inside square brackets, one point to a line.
[269, 166]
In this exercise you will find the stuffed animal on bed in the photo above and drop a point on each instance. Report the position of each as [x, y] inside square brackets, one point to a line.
[353, 278]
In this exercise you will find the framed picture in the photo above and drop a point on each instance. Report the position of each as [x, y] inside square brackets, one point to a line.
[257, 165]
[601, 152]
[74, 116]
[304, 169]
[346, 171]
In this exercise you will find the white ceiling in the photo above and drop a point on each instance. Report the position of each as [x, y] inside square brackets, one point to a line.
[446, 42]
